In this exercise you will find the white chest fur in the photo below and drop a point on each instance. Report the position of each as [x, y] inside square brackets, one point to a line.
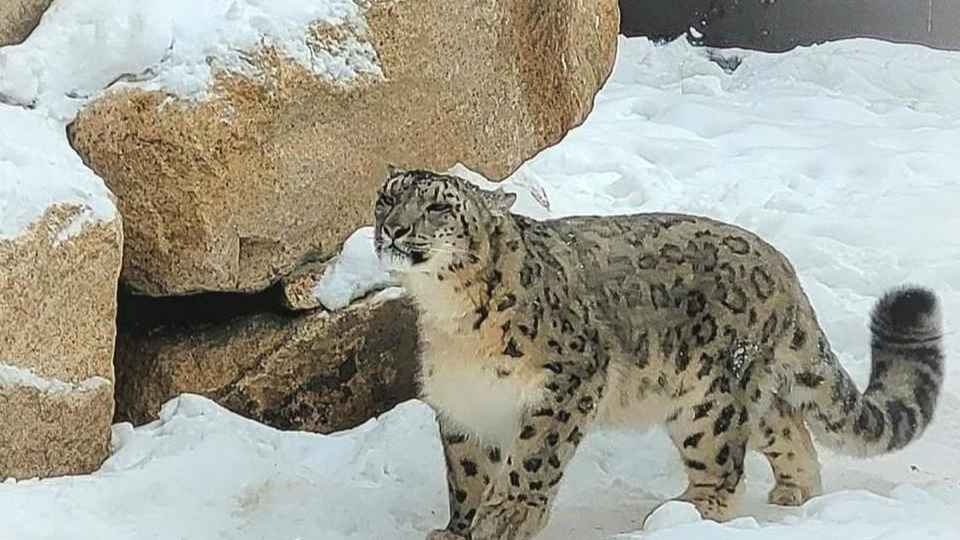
[485, 395]
[476, 400]
[465, 377]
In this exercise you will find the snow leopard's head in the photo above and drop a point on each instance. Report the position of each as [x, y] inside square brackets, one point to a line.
[428, 222]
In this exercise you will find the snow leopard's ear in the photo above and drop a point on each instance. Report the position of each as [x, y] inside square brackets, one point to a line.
[393, 170]
[498, 201]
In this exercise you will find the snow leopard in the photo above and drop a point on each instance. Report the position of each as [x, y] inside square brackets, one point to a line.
[535, 334]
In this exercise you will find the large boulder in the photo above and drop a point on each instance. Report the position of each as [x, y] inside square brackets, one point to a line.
[317, 371]
[60, 255]
[278, 165]
[18, 18]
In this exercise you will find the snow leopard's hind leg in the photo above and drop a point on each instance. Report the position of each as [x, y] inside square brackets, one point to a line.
[785, 441]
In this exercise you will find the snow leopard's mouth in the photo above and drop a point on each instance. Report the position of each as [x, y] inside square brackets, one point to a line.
[415, 256]
[395, 252]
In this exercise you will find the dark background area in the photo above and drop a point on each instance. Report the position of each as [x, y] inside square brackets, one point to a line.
[779, 25]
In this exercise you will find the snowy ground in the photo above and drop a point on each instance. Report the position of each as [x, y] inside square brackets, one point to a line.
[845, 156]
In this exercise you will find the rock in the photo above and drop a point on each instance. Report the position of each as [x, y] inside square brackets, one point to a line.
[318, 371]
[18, 18]
[60, 258]
[231, 192]
[297, 287]
[57, 310]
[52, 428]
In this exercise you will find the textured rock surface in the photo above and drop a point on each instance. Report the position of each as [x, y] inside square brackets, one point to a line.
[318, 372]
[57, 312]
[297, 287]
[18, 18]
[54, 433]
[233, 192]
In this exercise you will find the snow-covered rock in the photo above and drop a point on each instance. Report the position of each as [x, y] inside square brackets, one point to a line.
[60, 251]
[242, 137]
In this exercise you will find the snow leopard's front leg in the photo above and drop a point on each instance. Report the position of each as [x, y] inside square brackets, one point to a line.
[471, 466]
[518, 504]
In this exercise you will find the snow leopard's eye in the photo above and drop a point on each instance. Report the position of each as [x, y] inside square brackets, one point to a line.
[439, 208]
[386, 200]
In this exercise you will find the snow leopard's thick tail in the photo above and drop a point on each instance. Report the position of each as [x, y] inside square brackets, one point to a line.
[905, 380]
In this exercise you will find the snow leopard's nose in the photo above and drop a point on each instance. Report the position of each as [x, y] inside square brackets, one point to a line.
[395, 232]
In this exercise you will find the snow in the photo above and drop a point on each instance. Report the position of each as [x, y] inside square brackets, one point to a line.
[842, 155]
[352, 274]
[39, 170]
[82, 47]
[23, 377]
[671, 514]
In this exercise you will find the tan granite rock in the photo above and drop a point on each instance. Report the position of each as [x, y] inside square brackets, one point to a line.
[56, 429]
[18, 18]
[318, 372]
[232, 192]
[57, 328]
[296, 288]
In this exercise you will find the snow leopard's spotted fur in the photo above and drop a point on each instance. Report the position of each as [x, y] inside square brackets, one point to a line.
[536, 333]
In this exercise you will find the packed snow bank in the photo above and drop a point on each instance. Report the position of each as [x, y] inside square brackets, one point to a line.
[355, 272]
[38, 170]
[83, 46]
[200, 472]
[844, 156]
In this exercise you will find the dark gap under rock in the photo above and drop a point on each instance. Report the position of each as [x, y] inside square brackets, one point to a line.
[306, 370]
[138, 313]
